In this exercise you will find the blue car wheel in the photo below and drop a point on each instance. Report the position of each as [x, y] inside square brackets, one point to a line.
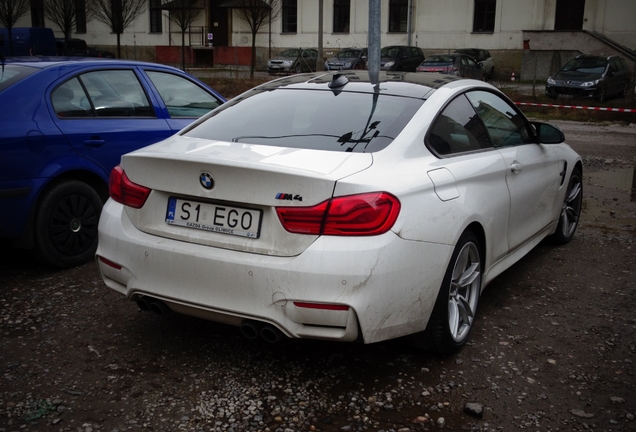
[66, 224]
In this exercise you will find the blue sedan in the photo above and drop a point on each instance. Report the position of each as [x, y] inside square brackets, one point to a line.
[64, 125]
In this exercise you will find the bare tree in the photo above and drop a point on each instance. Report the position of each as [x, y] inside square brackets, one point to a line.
[63, 13]
[182, 13]
[10, 12]
[118, 15]
[256, 13]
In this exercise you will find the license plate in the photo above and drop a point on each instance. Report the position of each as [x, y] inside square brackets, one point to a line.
[214, 217]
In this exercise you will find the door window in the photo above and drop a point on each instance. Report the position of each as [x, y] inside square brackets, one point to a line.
[182, 97]
[458, 129]
[505, 125]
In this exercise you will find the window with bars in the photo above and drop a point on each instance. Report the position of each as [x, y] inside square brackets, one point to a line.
[154, 9]
[341, 16]
[398, 16]
[484, 18]
[37, 13]
[80, 16]
[290, 16]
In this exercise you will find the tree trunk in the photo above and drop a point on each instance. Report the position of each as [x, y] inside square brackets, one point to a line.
[253, 60]
[10, 31]
[119, 45]
[183, 50]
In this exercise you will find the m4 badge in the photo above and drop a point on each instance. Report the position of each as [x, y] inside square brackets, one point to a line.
[288, 197]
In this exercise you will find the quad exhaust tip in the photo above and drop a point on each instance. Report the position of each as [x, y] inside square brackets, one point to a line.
[149, 304]
[253, 329]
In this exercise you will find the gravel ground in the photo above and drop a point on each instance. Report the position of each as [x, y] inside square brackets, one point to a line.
[552, 350]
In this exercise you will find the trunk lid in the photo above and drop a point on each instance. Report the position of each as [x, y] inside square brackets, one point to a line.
[248, 181]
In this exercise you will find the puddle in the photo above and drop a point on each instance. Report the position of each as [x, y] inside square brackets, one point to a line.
[624, 178]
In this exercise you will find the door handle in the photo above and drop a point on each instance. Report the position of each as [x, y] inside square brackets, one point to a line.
[94, 142]
[516, 167]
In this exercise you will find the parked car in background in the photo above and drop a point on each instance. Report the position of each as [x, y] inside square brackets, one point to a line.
[65, 125]
[27, 41]
[588, 76]
[293, 60]
[400, 58]
[96, 52]
[452, 64]
[291, 221]
[72, 47]
[348, 58]
[482, 57]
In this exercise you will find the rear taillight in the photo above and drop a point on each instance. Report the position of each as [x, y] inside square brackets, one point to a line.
[124, 191]
[353, 215]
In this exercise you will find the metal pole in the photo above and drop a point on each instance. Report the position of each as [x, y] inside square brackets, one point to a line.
[320, 63]
[374, 41]
[409, 23]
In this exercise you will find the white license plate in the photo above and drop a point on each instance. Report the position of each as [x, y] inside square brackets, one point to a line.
[214, 217]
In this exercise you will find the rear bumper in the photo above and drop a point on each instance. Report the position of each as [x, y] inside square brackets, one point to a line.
[387, 284]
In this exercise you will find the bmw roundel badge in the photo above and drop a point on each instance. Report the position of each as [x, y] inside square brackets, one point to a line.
[206, 181]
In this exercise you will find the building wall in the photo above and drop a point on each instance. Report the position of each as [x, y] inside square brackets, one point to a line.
[437, 26]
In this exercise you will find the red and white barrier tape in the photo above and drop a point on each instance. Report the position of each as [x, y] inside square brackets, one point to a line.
[627, 110]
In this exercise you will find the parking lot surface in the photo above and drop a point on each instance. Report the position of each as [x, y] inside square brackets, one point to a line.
[553, 348]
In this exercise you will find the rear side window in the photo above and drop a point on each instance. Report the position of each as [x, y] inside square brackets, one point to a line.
[104, 93]
[13, 73]
[311, 119]
[182, 97]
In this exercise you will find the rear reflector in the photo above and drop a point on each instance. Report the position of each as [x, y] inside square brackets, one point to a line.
[124, 191]
[352, 215]
[325, 306]
[110, 263]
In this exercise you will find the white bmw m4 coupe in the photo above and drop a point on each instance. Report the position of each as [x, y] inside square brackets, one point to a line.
[330, 206]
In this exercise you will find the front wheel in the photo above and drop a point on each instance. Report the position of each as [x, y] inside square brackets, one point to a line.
[570, 210]
[66, 224]
[602, 95]
[454, 312]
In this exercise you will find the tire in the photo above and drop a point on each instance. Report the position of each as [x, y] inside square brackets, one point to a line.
[66, 224]
[602, 95]
[570, 211]
[455, 309]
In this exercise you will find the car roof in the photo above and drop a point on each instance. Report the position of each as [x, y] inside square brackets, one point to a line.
[415, 85]
[52, 61]
[600, 57]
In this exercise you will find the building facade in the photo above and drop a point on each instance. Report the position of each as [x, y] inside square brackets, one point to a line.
[500, 26]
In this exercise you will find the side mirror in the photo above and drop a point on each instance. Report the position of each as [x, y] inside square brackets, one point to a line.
[548, 134]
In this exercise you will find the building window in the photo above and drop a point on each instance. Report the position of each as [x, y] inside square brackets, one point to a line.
[37, 13]
[484, 19]
[80, 16]
[398, 16]
[154, 8]
[290, 16]
[341, 15]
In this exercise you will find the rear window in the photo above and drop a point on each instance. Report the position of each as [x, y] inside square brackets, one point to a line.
[11, 74]
[311, 119]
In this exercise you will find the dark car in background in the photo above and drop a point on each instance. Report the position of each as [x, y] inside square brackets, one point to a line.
[348, 58]
[65, 125]
[73, 47]
[293, 60]
[588, 76]
[401, 58]
[452, 64]
[482, 57]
